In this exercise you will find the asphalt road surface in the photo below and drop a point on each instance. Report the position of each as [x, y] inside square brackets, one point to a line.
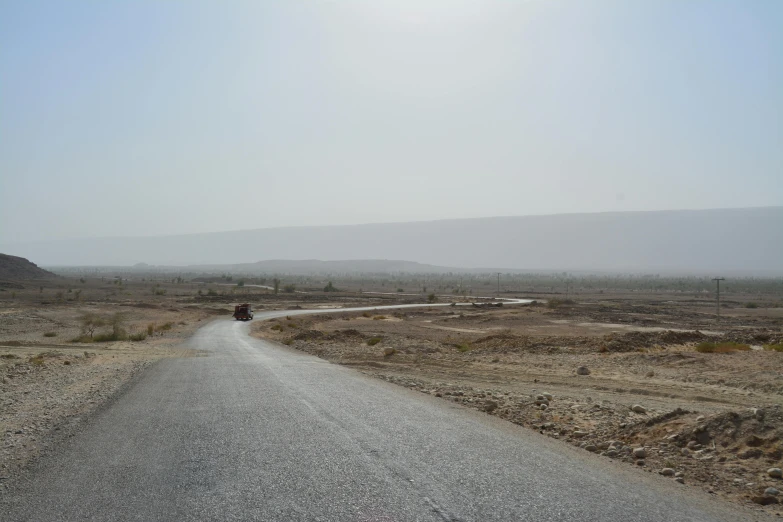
[255, 431]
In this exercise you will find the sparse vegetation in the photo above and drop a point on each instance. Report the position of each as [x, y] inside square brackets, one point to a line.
[778, 347]
[751, 305]
[379, 318]
[721, 347]
[289, 289]
[50, 334]
[90, 322]
[137, 336]
[373, 341]
[556, 303]
[464, 347]
[330, 287]
[432, 298]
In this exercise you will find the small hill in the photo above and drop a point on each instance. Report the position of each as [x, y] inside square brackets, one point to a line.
[14, 268]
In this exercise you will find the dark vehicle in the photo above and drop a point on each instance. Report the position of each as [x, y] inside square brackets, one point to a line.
[243, 312]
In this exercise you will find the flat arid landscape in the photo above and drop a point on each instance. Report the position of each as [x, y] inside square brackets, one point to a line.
[391, 261]
[639, 370]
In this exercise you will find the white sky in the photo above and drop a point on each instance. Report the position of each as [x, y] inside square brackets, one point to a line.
[150, 118]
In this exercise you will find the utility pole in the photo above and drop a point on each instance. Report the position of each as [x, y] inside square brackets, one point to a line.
[717, 281]
[498, 283]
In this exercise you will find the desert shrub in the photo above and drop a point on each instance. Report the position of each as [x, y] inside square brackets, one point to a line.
[751, 305]
[82, 339]
[9, 356]
[722, 347]
[38, 360]
[166, 326]
[292, 325]
[150, 328]
[50, 334]
[432, 298]
[555, 303]
[115, 335]
[464, 347]
[366, 314]
[774, 347]
[211, 292]
[400, 290]
[289, 289]
[138, 336]
[330, 287]
[278, 327]
[372, 341]
[160, 291]
[90, 322]
[379, 318]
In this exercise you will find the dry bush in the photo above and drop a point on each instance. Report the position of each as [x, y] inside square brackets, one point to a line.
[722, 347]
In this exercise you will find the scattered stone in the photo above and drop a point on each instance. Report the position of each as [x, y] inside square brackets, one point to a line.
[667, 472]
[700, 418]
[490, 406]
[640, 453]
[640, 462]
[591, 448]
[547, 396]
[638, 408]
[775, 472]
[582, 370]
[543, 407]
[764, 500]
[579, 434]
[679, 480]
[772, 491]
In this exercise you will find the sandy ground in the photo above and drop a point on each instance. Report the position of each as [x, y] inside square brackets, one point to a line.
[709, 420]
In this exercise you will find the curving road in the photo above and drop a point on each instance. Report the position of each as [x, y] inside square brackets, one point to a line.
[255, 431]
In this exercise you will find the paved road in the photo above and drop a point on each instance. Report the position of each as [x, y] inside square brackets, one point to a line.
[254, 431]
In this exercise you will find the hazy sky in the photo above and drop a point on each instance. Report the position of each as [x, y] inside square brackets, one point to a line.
[158, 117]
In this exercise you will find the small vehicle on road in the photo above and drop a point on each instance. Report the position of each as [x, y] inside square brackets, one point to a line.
[243, 312]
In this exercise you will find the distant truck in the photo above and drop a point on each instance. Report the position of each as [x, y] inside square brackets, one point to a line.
[243, 312]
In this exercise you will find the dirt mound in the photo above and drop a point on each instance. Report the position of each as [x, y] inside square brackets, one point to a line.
[507, 343]
[19, 269]
[754, 434]
[631, 341]
[338, 335]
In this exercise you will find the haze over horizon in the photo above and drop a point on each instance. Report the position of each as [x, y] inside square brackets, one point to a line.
[749, 241]
[152, 119]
